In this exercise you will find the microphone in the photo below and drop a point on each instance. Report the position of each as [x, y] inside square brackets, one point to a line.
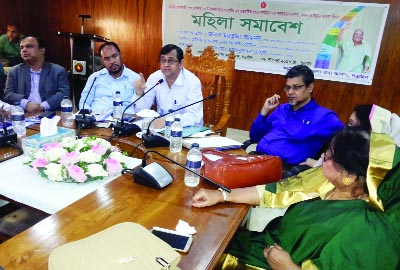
[156, 176]
[83, 110]
[8, 136]
[81, 120]
[124, 129]
[153, 140]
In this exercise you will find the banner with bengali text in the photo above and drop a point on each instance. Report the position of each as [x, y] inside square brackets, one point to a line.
[339, 41]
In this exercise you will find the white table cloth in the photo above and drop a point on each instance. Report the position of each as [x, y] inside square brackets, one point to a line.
[21, 183]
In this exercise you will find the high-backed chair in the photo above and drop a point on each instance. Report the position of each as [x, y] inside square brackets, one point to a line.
[216, 76]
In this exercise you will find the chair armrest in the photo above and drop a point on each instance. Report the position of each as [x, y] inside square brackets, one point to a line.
[221, 126]
[294, 170]
[247, 143]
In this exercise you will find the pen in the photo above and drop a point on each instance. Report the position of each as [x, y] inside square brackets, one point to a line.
[228, 147]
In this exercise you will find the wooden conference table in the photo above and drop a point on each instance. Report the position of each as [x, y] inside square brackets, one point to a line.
[122, 200]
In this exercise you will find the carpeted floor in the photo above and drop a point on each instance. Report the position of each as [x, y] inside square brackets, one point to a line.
[240, 136]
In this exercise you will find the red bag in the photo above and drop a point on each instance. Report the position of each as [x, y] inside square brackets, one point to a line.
[235, 171]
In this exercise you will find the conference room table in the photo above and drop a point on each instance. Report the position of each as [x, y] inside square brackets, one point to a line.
[123, 200]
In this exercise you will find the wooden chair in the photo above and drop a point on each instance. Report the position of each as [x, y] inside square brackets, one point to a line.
[216, 76]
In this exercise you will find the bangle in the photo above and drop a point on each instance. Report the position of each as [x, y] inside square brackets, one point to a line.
[223, 193]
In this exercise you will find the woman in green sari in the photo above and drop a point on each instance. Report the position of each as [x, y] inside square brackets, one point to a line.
[329, 224]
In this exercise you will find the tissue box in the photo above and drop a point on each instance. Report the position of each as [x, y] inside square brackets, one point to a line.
[35, 142]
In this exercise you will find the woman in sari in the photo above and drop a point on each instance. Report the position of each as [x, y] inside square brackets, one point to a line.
[329, 224]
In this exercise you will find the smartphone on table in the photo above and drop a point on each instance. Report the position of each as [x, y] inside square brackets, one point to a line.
[178, 241]
[47, 114]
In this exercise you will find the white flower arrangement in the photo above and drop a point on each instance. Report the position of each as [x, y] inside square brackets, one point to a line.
[79, 161]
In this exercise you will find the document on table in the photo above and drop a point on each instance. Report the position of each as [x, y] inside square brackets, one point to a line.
[219, 142]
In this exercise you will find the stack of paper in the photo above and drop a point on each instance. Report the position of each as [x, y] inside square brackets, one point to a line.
[218, 142]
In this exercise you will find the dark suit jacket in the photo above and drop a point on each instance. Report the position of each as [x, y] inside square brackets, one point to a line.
[53, 84]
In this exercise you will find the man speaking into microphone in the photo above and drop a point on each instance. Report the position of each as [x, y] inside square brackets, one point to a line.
[180, 88]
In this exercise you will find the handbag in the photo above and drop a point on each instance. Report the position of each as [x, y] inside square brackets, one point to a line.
[235, 171]
[123, 246]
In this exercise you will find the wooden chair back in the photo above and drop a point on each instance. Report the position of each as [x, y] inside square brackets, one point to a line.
[216, 76]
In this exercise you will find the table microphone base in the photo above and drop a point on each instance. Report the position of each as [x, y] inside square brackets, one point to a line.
[126, 129]
[5, 139]
[84, 122]
[152, 140]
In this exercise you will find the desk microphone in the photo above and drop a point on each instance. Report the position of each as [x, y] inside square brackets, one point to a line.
[156, 176]
[81, 120]
[8, 136]
[152, 140]
[126, 129]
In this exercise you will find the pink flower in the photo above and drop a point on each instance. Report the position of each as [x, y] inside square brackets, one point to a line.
[77, 173]
[39, 163]
[115, 148]
[69, 158]
[99, 149]
[49, 146]
[113, 166]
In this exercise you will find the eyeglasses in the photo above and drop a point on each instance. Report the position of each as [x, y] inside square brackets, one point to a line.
[170, 61]
[294, 87]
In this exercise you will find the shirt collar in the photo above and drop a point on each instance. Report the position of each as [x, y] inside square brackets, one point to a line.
[309, 106]
[181, 77]
[36, 71]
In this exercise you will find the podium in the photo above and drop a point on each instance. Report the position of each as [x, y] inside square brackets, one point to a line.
[84, 61]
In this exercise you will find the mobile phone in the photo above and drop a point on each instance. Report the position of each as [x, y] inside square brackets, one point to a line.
[178, 241]
[47, 114]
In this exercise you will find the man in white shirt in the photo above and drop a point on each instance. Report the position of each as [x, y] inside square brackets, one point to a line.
[105, 82]
[179, 88]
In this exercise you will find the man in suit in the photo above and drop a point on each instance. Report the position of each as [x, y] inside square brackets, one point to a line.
[38, 85]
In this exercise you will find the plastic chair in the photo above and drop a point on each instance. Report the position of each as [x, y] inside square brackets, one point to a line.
[216, 76]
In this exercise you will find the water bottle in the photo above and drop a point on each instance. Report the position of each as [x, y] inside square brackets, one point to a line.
[193, 162]
[117, 114]
[169, 119]
[18, 120]
[66, 112]
[175, 140]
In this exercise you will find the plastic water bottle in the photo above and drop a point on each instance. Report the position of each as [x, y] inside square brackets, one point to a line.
[169, 119]
[18, 120]
[66, 112]
[193, 162]
[175, 140]
[117, 114]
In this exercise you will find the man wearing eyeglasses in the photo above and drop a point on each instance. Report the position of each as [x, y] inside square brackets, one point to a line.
[179, 88]
[298, 129]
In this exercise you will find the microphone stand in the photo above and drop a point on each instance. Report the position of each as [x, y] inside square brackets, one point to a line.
[153, 140]
[125, 130]
[184, 167]
[81, 121]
